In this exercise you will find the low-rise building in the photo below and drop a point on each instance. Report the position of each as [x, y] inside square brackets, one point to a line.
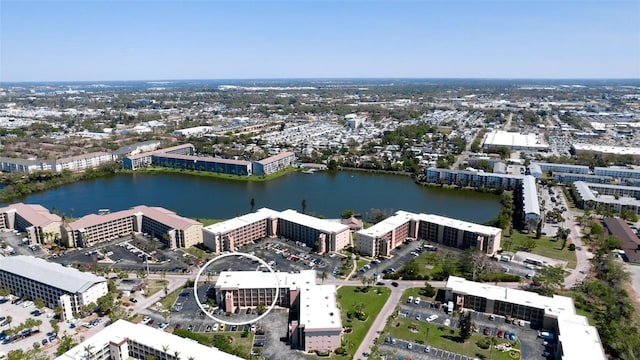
[84, 162]
[125, 340]
[274, 163]
[41, 226]
[577, 340]
[58, 285]
[514, 141]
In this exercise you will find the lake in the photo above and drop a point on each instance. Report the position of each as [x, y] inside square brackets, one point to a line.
[325, 193]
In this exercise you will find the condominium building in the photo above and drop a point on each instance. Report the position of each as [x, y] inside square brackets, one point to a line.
[41, 226]
[577, 340]
[144, 159]
[531, 206]
[57, 285]
[617, 172]
[83, 162]
[563, 168]
[321, 235]
[386, 235]
[25, 165]
[316, 323]
[472, 178]
[273, 164]
[593, 196]
[479, 179]
[124, 340]
[174, 230]
[566, 178]
[231, 234]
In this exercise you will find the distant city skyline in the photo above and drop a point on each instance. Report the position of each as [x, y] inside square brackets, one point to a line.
[167, 40]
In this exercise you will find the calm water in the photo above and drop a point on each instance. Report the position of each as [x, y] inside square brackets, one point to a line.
[325, 193]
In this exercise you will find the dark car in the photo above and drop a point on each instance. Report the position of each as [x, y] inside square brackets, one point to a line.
[44, 341]
[258, 344]
[394, 284]
[259, 332]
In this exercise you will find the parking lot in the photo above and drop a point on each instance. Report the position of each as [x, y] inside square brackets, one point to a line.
[121, 253]
[15, 241]
[496, 326]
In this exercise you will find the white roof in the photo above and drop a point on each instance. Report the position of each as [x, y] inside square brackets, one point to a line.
[238, 222]
[530, 193]
[618, 150]
[312, 222]
[552, 305]
[579, 340]
[264, 280]
[51, 274]
[459, 224]
[402, 217]
[388, 224]
[122, 330]
[318, 308]
[514, 139]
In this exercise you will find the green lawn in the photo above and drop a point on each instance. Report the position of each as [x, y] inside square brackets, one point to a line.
[415, 292]
[372, 302]
[545, 246]
[199, 253]
[154, 286]
[167, 301]
[441, 337]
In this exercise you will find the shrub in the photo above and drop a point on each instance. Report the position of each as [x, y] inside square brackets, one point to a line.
[484, 343]
[341, 351]
[572, 247]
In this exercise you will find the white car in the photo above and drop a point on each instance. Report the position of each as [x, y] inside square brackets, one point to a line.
[447, 322]
[409, 346]
[216, 326]
[163, 326]
[409, 299]
[431, 318]
[253, 327]
[417, 300]
[145, 320]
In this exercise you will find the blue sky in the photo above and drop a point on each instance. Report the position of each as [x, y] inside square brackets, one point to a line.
[143, 40]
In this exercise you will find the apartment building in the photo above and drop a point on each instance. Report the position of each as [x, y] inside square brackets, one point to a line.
[34, 278]
[617, 172]
[315, 317]
[231, 234]
[83, 162]
[25, 165]
[174, 230]
[125, 340]
[531, 206]
[566, 178]
[273, 164]
[322, 235]
[472, 178]
[144, 159]
[386, 235]
[479, 179]
[577, 340]
[41, 226]
[563, 168]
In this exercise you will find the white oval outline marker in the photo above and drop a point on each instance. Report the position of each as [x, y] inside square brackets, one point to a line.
[239, 254]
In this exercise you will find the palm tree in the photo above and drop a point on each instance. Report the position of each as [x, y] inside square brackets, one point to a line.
[88, 350]
[165, 348]
[323, 276]
[176, 354]
[9, 320]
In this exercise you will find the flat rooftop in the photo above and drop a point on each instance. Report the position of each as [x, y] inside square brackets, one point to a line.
[51, 274]
[231, 280]
[388, 224]
[514, 139]
[579, 340]
[618, 150]
[555, 305]
[124, 331]
[312, 222]
[241, 221]
[318, 308]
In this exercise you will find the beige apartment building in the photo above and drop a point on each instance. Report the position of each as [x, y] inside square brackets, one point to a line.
[174, 230]
[41, 226]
